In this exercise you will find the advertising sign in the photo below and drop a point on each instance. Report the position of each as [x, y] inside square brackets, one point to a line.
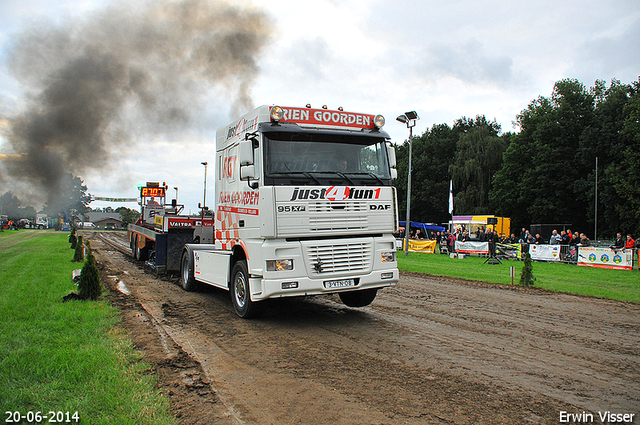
[416, 245]
[545, 252]
[605, 258]
[471, 247]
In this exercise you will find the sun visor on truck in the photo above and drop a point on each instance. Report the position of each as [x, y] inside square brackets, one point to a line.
[287, 131]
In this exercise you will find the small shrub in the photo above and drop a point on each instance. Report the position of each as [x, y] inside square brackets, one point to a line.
[526, 278]
[73, 240]
[78, 256]
[89, 287]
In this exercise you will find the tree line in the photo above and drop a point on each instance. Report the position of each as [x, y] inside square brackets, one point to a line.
[545, 173]
[70, 200]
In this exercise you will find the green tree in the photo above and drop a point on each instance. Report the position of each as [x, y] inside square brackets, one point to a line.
[433, 152]
[478, 157]
[71, 195]
[622, 173]
[526, 277]
[128, 216]
[538, 181]
[78, 255]
[73, 239]
[10, 206]
[89, 287]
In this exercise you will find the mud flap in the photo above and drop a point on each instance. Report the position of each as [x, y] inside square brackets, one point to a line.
[169, 251]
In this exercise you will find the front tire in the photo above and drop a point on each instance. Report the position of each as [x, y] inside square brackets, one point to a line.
[241, 293]
[361, 298]
[187, 280]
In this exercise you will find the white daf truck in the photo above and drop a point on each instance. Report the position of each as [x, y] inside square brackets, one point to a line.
[304, 205]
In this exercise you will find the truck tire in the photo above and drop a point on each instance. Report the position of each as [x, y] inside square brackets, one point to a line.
[360, 298]
[241, 293]
[187, 280]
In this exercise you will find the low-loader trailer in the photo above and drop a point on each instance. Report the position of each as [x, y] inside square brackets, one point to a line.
[161, 232]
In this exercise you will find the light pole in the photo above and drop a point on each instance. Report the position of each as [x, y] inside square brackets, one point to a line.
[204, 201]
[408, 118]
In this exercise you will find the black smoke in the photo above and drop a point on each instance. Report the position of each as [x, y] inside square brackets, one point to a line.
[94, 85]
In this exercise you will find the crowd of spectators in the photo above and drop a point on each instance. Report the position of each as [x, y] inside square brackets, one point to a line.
[563, 237]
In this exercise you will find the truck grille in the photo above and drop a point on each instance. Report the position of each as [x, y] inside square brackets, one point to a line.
[350, 257]
[324, 216]
[327, 207]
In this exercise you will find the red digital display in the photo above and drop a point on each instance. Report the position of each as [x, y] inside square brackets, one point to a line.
[157, 192]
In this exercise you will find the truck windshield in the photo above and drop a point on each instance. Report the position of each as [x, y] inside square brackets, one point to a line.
[314, 159]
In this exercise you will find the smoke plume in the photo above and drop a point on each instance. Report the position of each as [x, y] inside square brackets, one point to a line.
[94, 84]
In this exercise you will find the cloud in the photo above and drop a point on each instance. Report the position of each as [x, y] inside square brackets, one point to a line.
[468, 62]
[611, 55]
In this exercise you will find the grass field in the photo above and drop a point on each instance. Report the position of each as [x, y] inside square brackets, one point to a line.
[65, 357]
[604, 283]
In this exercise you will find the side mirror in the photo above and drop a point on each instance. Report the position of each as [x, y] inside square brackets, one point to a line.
[245, 153]
[247, 172]
[391, 153]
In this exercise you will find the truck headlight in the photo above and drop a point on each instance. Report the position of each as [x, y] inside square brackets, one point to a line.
[388, 257]
[279, 265]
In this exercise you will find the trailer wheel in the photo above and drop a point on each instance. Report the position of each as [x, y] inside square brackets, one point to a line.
[241, 293]
[360, 298]
[187, 280]
[141, 254]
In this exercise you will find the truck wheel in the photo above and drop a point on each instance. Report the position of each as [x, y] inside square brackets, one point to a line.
[187, 280]
[360, 298]
[241, 294]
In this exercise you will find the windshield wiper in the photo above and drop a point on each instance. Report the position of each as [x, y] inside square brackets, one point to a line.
[312, 177]
[345, 177]
[368, 173]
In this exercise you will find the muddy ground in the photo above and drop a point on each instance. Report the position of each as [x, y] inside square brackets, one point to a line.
[428, 351]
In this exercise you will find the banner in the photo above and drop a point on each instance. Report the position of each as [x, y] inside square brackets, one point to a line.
[416, 245]
[619, 259]
[545, 252]
[104, 198]
[471, 247]
[513, 250]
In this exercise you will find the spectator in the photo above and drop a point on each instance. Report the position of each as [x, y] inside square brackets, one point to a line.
[619, 243]
[555, 238]
[575, 239]
[584, 240]
[539, 239]
[523, 234]
[630, 242]
[530, 239]
[565, 238]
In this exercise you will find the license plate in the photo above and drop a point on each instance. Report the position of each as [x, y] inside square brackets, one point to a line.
[342, 283]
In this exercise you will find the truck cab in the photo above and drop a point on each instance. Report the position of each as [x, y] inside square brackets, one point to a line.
[304, 206]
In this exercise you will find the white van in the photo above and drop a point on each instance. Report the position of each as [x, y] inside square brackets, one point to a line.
[87, 225]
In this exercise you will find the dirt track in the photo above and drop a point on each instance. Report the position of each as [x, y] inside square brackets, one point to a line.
[429, 351]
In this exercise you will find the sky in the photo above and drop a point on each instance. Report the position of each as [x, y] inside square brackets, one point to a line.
[445, 60]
